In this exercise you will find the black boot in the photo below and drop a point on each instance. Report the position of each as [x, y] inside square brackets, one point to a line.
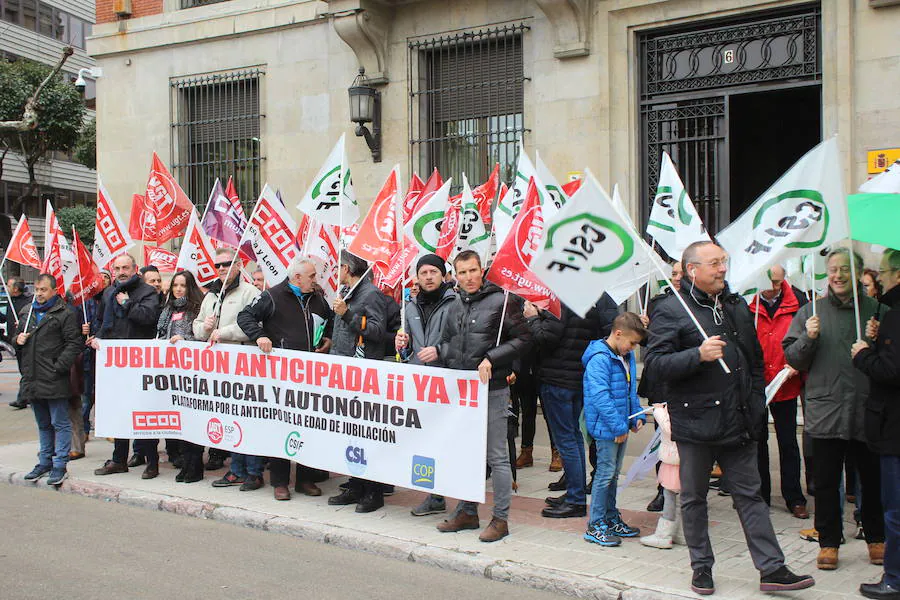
[193, 467]
[371, 501]
[559, 485]
[656, 505]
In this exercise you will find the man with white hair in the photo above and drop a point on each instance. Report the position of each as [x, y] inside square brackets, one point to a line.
[294, 316]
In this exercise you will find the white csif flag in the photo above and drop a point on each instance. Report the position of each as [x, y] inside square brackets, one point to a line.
[674, 223]
[474, 234]
[508, 207]
[804, 211]
[330, 198]
[590, 248]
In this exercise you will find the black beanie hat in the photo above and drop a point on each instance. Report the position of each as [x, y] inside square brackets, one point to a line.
[435, 261]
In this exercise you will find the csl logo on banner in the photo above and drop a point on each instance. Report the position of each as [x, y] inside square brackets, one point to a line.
[794, 219]
[590, 242]
[224, 433]
[423, 472]
[155, 421]
[355, 457]
[293, 443]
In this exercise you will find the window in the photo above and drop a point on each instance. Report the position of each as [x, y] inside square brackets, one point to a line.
[12, 11]
[46, 20]
[217, 133]
[193, 3]
[467, 97]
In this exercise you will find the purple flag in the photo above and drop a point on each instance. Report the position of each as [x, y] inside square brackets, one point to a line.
[224, 220]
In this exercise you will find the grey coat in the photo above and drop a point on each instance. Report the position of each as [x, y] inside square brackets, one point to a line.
[422, 333]
[836, 393]
[363, 302]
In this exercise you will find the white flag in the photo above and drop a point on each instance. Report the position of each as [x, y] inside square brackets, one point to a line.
[111, 237]
[555, 197]
[886, 182]
[509, 205]
[330, 198]
[270, 233]
[473, 232]
[803, 211]
[197, 254]
[589, 248]
[424, 227]
[674, 223]
[66, 255]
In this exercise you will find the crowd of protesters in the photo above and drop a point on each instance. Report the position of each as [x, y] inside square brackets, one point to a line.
[707, 392]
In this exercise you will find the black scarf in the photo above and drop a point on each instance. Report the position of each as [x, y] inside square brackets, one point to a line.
[113, 310]
[428, 301]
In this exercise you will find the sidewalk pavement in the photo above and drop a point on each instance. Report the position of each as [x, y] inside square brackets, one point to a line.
[542, 553]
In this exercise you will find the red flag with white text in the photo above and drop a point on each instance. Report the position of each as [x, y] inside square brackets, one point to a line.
[110, 235]
[88, 282]
[271, 233]
[197, 254]
[434, 183]
[170, 205]
[141, 220]
[160, 258]
[413, 192]
[323, 247]
[21, 246]
[446, 243]
[53, 265]
[376, 240]
[511, 267]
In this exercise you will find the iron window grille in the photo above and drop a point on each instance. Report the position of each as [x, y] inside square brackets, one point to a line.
[466, 109]
[193, 3]
[217, 122]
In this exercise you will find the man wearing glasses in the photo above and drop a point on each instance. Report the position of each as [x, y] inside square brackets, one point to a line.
[716, 416]
[217, 322]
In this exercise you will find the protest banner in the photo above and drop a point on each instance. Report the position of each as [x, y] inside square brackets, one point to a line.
[419, 427]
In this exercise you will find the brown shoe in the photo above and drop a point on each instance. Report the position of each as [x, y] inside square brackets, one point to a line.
[110, 467]
[459, 522]
[799, 511]
[76, 455]
[525, 457]
[282, 493]
[308, 488]
[555, 462]
[151, 472]
[496, 530]
[827, 559]
[876, 553]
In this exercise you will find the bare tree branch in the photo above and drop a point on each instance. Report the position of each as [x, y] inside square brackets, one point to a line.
[29, 119]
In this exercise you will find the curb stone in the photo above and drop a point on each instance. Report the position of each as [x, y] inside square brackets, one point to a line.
[534, 576]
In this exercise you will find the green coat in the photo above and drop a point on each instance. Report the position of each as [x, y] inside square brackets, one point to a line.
[836, 392]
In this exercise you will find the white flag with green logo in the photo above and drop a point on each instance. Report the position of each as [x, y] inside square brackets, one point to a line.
[509, 205]
[804, 211]
[473, 232]
[590, 248]
[555, 197]
[330, 198]
[424, 227]
[674, 223]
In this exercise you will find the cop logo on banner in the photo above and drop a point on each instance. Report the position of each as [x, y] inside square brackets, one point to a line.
[590, 242]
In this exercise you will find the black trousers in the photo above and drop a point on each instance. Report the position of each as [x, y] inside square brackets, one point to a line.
[280, 473]
[784, 414]
[525, 393]
[830, 457]
[146, 448]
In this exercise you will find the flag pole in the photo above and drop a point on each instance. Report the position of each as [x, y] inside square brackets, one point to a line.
[80, 280]
[233, 259]
[855, 284]
[647, 292]
[812, 281]
[502, 316]
[28, 320]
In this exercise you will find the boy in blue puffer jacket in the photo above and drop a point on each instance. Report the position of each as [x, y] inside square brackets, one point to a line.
[610, 396]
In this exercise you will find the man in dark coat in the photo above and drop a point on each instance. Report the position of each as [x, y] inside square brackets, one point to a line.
[715, 415]
[290, 315]
[359, 330]
[882, 423]
[470, 341]
[48, 341]
[129, 310]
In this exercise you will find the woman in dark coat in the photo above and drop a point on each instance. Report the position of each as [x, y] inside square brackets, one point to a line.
[181, 307]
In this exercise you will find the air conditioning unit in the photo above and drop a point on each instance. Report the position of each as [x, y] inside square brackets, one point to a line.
[122, 8]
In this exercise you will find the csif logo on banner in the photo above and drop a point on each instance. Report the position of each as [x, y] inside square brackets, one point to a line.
[423, 471]
[590, 242]
[292, 444]
[794, 219]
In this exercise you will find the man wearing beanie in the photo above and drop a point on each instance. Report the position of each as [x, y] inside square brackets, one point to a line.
[425, 314]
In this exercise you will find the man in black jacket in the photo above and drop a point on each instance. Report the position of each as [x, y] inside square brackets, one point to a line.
[470, 341]
[560, 345]
[17, 299]
[716, 416]
[48, 341]
[882, 365]
[129, 310]
[293, 316]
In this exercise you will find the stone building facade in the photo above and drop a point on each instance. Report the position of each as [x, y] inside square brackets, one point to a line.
[735, 90]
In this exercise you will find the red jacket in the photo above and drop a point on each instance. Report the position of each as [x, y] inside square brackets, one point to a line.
[770, 331]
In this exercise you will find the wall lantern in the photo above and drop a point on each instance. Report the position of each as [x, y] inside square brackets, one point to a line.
[365, 107]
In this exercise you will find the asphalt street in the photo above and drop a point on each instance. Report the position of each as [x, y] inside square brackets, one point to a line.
[63, 546]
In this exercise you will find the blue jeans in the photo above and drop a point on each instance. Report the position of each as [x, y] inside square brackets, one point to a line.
[562, 408]
[87, 403]
[243, 465]
[54, 432]
[606, 480]
[890, 499]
